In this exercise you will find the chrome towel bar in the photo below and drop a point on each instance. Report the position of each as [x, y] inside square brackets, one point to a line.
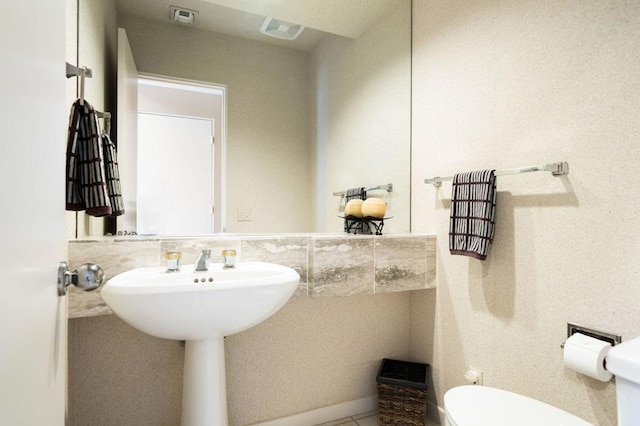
[556, 169]
[388, 187]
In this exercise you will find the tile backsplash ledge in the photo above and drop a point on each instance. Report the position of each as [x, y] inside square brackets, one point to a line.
[329, 265]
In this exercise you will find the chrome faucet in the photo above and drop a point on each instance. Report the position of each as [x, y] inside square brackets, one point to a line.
[202, 262]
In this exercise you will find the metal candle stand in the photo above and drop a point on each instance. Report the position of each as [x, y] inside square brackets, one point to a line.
[363, 225]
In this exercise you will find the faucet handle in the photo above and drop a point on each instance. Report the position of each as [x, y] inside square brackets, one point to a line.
[173, 260]
[229, 256]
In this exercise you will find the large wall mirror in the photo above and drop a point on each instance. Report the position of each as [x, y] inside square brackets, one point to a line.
[305, 118]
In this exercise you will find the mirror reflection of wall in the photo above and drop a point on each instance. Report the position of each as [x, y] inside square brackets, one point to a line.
[302, 122]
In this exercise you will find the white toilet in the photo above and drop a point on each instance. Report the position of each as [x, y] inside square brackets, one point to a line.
[485, 406]
[623, 361]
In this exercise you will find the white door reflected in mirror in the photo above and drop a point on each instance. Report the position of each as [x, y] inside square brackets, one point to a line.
[175, 180]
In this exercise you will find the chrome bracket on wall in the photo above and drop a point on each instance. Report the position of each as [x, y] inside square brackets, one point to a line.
[87, 277]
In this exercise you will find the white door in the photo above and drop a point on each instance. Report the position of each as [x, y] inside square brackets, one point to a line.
[175, 175]
[127, 131]
[33, 122]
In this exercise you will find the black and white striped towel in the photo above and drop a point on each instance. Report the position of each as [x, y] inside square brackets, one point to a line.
[112, 176]
[86, 185]
[472, 221]
[356, 194]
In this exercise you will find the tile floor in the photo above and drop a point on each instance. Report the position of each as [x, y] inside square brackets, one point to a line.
[364, 419]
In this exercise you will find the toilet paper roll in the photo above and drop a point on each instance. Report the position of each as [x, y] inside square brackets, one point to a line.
[586, 355]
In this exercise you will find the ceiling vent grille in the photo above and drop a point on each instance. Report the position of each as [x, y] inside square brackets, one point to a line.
[182, 15]
[281, 29]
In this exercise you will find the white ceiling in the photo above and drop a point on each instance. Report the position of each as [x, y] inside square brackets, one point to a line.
[243, 18]
[348, 18]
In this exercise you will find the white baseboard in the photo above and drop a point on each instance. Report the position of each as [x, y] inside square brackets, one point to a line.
[326, 414]
[344, 409]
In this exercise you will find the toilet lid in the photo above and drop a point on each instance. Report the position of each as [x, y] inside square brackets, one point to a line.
[483, 405]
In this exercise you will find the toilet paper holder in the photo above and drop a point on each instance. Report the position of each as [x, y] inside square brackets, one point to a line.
[613, 339]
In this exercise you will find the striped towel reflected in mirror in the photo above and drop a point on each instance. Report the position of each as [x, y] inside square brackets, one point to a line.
[86, 183]
[357, 227]
[356, 194]
[472, 221]
[112, 175]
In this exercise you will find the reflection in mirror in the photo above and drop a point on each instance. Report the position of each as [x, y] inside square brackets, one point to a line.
[306, 118]
[180, 128]
[91, 42]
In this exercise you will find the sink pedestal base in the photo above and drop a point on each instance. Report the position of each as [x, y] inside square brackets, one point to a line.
[204, 390]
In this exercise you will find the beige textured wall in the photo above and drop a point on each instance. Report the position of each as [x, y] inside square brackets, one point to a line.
[360, 121]
[313, 353]
[513, 83]
[268, 155]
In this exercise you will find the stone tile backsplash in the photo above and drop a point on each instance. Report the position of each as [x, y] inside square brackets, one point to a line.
[341, 266]
[291, 251]
[329, 265]
[401, 263]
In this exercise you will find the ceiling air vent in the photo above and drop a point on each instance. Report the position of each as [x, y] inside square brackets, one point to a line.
[182, 15]
[280, 29]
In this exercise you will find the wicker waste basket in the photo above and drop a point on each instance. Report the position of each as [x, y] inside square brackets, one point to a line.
[402, 392]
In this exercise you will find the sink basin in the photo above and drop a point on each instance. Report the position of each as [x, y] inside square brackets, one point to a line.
[201, 308]
[193, 305]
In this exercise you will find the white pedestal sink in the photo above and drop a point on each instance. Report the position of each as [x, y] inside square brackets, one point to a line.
[201, 308]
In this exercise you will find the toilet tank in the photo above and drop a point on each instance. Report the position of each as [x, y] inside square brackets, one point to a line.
[623, 361]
